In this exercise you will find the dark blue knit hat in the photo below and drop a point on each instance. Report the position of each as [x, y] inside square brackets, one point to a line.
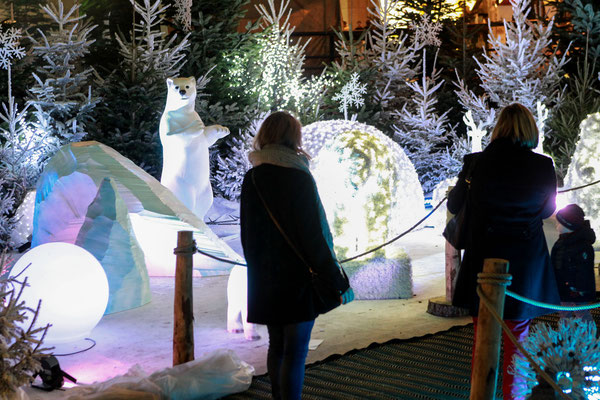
[572, 216]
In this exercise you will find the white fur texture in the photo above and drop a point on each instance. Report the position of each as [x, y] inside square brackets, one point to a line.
[237, 304]
[185, 142]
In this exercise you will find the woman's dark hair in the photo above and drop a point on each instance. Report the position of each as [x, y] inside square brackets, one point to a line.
[280, 128]
[517, 124]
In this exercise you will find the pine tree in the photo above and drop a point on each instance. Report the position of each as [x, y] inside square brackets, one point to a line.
[134, 94]
[517, 70]
[20, 340]
[577, 30]
[424, 134]
[582, 85]
[62, 95]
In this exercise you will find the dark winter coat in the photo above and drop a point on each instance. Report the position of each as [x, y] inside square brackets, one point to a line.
[573, 261]
[279, 289]
[512, 190]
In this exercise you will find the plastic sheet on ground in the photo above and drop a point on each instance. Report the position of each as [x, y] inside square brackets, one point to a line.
[212, 376]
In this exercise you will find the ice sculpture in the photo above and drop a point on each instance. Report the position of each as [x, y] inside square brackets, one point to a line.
[71, 182]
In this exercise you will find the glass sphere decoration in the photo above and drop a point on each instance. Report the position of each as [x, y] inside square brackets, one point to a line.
[369, 188]
[72, 287]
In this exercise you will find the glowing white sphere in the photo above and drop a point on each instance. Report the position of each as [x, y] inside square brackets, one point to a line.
[584, 169]
[72, 286]
[369, 188]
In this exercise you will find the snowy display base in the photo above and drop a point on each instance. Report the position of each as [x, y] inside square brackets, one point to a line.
[584, 169]
[369, 187]
[381, 278]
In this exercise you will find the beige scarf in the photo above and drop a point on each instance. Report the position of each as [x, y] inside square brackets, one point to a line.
[279, 155]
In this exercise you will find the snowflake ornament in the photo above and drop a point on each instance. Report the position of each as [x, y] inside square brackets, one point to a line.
[426, 32]
[570, 354]
[184, 14]
[9, 46]
[351, 94]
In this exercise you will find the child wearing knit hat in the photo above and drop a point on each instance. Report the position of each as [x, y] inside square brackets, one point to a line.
[573, 260]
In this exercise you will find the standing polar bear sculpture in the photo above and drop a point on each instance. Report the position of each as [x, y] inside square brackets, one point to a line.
[185, 141]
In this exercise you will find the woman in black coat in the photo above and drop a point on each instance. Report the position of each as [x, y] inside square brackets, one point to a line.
[279, 281]
[512, 189]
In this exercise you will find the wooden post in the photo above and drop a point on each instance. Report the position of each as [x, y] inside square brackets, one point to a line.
[183, 327]
[453, 259]
[442, 306]
[493, 282]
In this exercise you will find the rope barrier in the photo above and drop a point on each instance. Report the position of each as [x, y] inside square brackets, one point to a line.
[551, 306]
[225, 260]
[519, 346]
[579, 187]
[392, 240]
[347, 259]
[397, 237]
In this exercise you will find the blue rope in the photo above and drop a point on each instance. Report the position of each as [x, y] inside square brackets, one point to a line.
[551, 306]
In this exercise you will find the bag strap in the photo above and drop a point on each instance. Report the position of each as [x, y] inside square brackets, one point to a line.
[280, 229]
[469, 176]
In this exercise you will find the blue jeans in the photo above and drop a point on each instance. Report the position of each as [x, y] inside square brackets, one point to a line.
[288, 347]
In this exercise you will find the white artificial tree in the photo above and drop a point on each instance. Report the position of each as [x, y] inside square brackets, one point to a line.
[422, 132]
[21, 341]
[351, 94]
[62, 95]
[23, 148]
[522, 68]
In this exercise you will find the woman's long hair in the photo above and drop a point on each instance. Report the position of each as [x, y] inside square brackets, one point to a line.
[517, 124]
[280, 128]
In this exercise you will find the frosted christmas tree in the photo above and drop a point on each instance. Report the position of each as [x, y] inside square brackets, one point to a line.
[20, 340]
[23, 148]
[62, 95]
[519, 69]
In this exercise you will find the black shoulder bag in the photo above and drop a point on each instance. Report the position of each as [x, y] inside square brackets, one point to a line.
[456, 230]
[325, 294]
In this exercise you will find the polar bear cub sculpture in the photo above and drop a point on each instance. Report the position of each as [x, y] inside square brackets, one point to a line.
[237, 304]
[185, 141]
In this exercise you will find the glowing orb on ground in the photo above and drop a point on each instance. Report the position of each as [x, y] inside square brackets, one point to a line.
[584, 169]
[368, 186]
[72, 286]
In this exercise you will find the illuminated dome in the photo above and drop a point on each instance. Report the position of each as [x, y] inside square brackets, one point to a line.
[367, 184]
[584, 169]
